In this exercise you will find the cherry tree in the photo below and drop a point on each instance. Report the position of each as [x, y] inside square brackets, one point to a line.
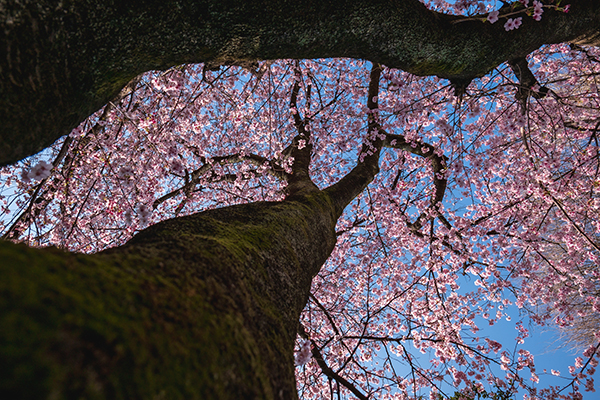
[391, 214]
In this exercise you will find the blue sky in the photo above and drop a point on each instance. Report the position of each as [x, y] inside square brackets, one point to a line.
[542, 343]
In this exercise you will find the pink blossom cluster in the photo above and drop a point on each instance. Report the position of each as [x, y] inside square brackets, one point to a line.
[303, 355]
[39, 172]
[536, 13]
[513, 23]
[413, 282]
[144, 213]
[538, 9]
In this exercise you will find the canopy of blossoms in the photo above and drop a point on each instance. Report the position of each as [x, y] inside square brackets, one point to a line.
[487, 201]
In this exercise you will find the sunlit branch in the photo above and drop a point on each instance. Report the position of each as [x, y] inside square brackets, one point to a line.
[206, 173]
[438, 163]
[274, 169]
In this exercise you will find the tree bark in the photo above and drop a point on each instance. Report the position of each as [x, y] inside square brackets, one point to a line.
[198, 307]
[204, 306]
[61, 62]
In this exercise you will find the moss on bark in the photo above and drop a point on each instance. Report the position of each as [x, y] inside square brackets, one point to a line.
[199, 307]
[61, 62]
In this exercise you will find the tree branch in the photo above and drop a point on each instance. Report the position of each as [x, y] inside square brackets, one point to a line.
[327, 370]
[67, 59]
[526, 82]
[356, 180]
[438, 164]
[195, 177]
[299, 181]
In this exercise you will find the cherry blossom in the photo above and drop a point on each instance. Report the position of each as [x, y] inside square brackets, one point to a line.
[40, 171]
[144, 213]
[513, 23]
[537, 10]
[303, 355]
[493, 16]
[484, 211]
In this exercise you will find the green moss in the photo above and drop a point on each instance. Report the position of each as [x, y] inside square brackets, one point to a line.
[77, 326]
[427, 68]
[110, 86]
[204, 306]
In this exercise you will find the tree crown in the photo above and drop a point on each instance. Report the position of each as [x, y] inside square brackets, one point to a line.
[457, 202]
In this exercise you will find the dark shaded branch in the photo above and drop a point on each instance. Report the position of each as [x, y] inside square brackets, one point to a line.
[67, 57]
[527, 82]
[301, 149]
[326, 312]
[438, 164]
[356, 223]
[347, 188]
[573, 381]
[384, 339]
[573, 223]
[327, 370]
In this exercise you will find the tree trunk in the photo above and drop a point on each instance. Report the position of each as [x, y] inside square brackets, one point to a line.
[204, 306]
[198, 307]
[61, 62]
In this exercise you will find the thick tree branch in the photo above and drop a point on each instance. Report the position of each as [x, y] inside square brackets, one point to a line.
[63, 62]
[347, 188]
[197, 307]
[301, 148]
[527, 82]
